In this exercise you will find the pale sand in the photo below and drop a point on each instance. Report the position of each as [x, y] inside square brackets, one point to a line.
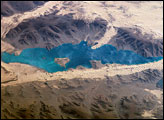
[27, 73]
[8, 23]
[148, 114]
[6, 47]
[143, 15]
[105, 39]
[157, 93]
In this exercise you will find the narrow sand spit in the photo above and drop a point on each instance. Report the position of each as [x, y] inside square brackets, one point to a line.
[27, 73]
[122, 14]
[107, 36]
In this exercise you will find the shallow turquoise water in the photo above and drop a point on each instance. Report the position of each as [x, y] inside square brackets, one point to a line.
[79, 54]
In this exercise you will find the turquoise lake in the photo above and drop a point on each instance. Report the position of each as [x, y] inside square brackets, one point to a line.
[79, 54]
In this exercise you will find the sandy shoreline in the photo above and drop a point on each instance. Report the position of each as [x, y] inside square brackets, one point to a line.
[27, 73]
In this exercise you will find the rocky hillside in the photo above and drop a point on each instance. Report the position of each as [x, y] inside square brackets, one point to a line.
[133, 39]
[121, 96]
[9, 8]
[55, 28]
[113, 91]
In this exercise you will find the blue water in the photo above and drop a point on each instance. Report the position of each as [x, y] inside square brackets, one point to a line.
[79, 54]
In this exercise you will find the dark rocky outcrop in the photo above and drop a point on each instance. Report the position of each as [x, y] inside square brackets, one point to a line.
[53, 30]
[96, 64]
[160, 84]
[133, 39]
[9, 8]
[62, 61]
[118, 97]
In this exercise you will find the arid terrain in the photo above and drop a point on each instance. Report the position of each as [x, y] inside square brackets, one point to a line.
[113, 91]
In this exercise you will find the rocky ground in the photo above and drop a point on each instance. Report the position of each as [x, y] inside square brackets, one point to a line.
[9, 8]
[103, 91]
[121, 96]
[62, 61]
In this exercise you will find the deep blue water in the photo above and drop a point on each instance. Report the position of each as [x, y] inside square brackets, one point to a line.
[79, 54]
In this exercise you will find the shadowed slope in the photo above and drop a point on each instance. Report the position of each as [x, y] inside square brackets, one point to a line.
[132, 39]
[120, 96]
[9, 8]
